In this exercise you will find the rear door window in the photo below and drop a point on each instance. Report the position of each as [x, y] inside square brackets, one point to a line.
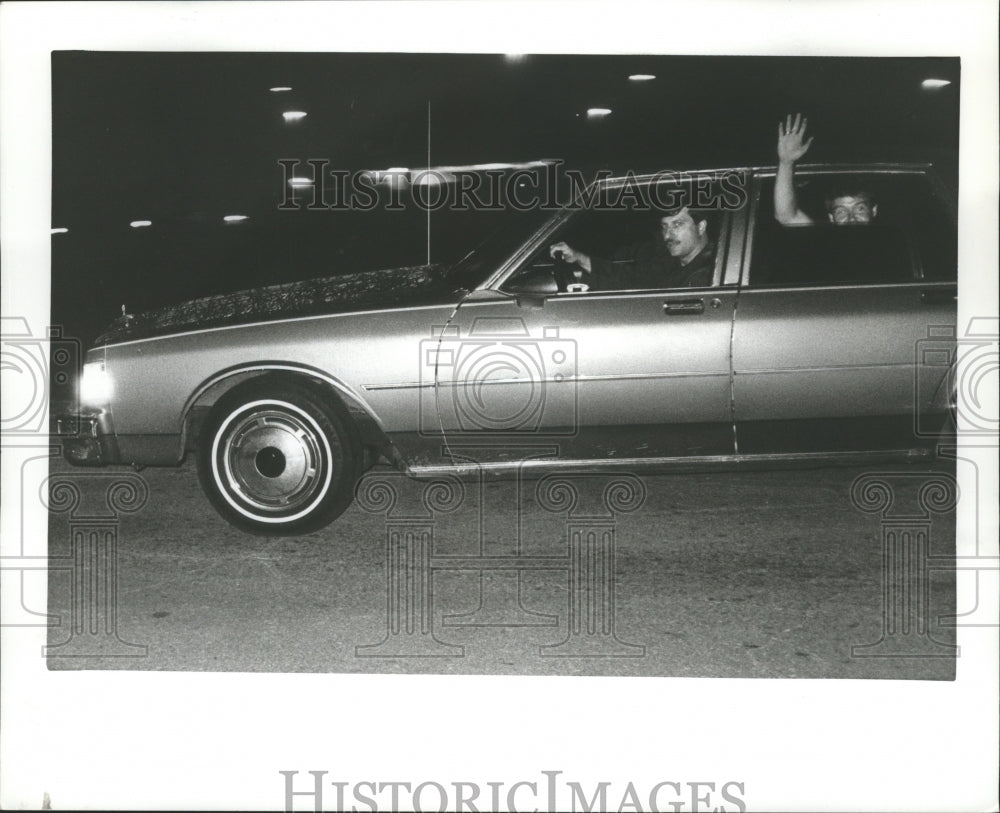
[911, 237]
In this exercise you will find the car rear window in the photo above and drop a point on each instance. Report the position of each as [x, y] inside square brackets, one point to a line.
[912, 237]
[827, 255]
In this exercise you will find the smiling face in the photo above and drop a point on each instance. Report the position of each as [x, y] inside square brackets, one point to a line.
[851, 209]
[684, 236]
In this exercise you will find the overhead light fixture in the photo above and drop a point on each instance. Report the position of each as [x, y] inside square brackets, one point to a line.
[934, 84]
[293, 115]
[59, 230]
[297, 180]
[281, 89]
[432, 177]
[493, 165]
[140, 224]
[598, 112]
[641, 77]
[429, 175]
[489, 165]
[393, 177]
[234, 218]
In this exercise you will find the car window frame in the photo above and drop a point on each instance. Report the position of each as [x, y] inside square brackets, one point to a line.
[762, 175]
[721, 276]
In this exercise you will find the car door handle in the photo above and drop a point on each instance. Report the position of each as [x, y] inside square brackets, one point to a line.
[679, 307]
[937, 296]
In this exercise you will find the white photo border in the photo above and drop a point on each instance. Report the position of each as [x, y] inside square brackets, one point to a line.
[209, 741]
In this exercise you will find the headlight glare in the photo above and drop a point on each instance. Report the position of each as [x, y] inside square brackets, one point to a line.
[96, 387]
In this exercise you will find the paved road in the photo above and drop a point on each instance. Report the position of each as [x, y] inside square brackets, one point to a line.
[749, 574]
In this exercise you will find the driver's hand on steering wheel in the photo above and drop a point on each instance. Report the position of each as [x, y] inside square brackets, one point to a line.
[569, 255]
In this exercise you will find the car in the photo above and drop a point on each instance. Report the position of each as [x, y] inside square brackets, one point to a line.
[811, 345]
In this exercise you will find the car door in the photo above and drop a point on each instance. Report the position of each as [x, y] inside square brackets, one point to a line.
[831, 319]
[608, 376]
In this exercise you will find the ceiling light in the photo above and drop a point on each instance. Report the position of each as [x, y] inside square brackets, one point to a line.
[234, 218]
[293, 115]
[394, 177]
[432, 177]
[598, 112]
[641, 77]
[934, 84]
[281, 89]
[297, 180]
[487, 166]
[59, 230]
[139, 224]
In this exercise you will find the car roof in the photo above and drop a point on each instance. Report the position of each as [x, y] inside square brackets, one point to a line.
[610, 176]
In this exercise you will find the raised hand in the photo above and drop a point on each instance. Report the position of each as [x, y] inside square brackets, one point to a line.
[792, 143]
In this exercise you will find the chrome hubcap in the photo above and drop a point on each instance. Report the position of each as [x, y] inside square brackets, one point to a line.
[273, 460]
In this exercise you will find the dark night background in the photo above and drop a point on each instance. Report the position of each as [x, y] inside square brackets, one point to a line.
[182, 139]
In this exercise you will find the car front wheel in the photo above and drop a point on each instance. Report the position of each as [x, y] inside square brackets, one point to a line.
[279, 459]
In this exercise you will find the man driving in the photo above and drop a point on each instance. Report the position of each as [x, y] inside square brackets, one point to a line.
[846, 206]
[680, 255]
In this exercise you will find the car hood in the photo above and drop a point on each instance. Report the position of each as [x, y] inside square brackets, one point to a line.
[402, 287]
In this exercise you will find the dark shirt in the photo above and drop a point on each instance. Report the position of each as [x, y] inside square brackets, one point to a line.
[648, 265]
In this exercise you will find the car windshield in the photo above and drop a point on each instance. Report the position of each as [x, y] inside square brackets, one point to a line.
[508, 233]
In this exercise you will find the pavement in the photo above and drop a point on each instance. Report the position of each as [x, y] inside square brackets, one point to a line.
[775, 574]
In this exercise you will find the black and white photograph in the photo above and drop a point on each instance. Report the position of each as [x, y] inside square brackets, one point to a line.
[366, 390]
[623, 395]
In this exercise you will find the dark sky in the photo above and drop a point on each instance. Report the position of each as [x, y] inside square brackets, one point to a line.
[182, 139]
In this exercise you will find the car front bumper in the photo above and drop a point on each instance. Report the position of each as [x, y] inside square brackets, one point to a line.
[88, 439]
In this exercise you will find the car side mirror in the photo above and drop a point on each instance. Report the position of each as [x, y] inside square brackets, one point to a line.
[538, 281]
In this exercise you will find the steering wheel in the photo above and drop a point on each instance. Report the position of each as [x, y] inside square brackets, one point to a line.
[562, 271]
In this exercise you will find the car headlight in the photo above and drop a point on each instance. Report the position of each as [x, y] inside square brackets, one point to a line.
[96, 386]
